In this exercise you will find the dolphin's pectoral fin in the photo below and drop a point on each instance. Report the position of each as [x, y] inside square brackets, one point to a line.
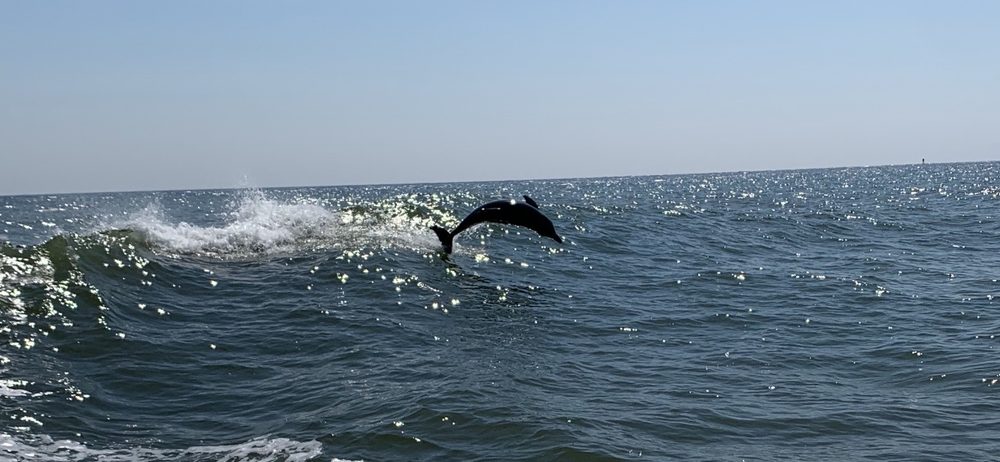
[530, 201]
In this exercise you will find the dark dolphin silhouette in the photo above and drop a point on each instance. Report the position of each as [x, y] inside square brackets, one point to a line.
[508, 212]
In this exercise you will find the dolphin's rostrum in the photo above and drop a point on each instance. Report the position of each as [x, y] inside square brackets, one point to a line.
[508, 212]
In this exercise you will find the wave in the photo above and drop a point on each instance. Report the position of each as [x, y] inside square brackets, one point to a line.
[37, 285]
[264, 449]
[53, 287]
[259, 225]
[44, 280]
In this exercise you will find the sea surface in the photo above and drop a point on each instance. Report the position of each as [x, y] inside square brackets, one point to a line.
[837, 314]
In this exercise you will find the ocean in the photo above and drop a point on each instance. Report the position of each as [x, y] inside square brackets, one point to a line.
[832, 314]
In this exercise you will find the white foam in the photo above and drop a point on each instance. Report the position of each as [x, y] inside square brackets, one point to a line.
[263, 449]
[21, 446]
[260, 225]
[8, 388]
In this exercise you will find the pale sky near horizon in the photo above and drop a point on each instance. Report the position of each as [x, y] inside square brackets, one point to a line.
[123, 95]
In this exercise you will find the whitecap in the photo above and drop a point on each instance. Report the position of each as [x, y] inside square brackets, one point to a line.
[261, 225]
[23, 446]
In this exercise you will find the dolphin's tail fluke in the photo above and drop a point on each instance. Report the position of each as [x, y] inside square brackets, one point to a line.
[444, 236]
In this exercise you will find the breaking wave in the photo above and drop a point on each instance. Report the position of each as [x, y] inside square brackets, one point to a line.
[264, 449]
[261, 225]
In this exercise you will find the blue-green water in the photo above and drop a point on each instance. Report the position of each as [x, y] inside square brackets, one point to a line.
[796, 315]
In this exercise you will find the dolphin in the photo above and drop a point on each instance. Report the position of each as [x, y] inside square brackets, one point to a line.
[509, 212]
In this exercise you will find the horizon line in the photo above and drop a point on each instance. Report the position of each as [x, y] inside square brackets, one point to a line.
[403, 183]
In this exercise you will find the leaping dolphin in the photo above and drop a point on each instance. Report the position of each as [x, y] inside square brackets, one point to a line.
[508, 212]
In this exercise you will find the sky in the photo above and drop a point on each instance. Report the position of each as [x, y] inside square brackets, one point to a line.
[124, 95]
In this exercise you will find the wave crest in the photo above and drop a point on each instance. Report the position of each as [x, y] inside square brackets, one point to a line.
[258, 225]
[260, 449]
[261, 225]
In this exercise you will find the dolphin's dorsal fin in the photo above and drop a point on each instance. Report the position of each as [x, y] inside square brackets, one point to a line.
[530, 201]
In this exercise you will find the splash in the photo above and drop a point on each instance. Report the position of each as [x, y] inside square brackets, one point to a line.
[43, 447]
[259, 225]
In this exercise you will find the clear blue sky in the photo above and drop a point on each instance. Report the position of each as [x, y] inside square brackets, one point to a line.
[126, 95]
